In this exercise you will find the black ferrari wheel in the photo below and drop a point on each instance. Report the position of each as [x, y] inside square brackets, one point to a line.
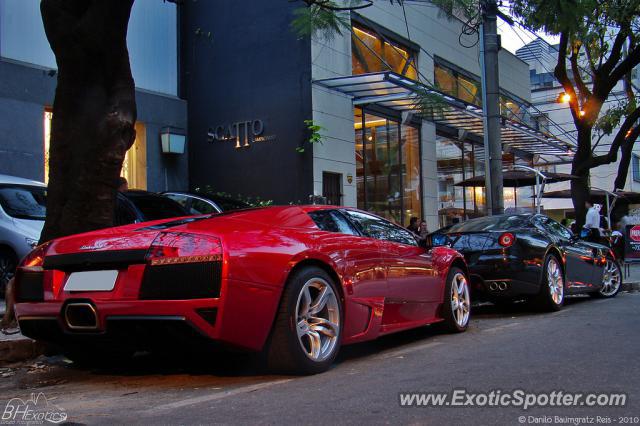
[457, 302]
[611, 280]
[307, 332]
[551, 295]
[8, 264]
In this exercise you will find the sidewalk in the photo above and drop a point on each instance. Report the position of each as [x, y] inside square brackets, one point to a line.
[632, 281]
[16, 347]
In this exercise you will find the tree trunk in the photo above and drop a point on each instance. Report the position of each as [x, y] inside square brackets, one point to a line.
[623, 167]
[580, 190]
[94, 112]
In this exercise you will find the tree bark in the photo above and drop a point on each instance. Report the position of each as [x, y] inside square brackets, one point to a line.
[625, 159]
[580, 191]
[94, 112]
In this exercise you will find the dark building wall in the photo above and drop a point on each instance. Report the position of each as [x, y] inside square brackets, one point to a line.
[251, 67]
[26, 90]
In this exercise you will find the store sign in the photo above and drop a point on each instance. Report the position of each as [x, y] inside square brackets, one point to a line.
[632, 243]
[243, 133]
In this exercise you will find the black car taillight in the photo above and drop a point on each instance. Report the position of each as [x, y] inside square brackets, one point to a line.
[506, 239]
[29, 281]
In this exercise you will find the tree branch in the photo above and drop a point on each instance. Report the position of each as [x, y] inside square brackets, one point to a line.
[575, 68]
[616, 53]
[625, 159]
[560, 72]
[626, 66]
[622, 135]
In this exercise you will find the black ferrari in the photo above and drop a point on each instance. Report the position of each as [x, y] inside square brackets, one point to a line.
[517, 256]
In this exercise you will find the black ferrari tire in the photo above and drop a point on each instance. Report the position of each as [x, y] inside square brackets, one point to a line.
[611, 281]
[8, 264]
[551, 295]
[456, 308]
[307, 332]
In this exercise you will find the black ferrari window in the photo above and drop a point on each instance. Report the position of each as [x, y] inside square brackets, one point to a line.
[552, 227]
[332, 221]
[491, 223]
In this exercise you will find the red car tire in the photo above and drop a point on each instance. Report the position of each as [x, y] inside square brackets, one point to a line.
[307, 332]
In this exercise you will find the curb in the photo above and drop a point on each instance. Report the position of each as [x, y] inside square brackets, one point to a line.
[19, 349]
[630, 286]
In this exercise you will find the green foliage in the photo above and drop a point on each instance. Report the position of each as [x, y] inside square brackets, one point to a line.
[613, 117]
[430, 104]
[459, 8]
[252, 201]
[314, 134]
[315, 19]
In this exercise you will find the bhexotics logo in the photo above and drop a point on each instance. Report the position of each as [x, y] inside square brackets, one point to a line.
[35, 410]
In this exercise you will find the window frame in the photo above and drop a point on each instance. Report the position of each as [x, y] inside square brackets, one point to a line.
[635, 167]
[387, 224]
[354, 228]
[383, 36]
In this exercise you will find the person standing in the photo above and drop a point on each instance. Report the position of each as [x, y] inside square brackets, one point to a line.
[423, 231]
[592, 222]
[413, 225]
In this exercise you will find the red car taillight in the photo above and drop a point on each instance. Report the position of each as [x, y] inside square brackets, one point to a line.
[507, 239]
[35, 258]
[170, 248]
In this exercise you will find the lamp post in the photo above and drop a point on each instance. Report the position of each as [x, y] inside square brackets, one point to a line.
[541, 179]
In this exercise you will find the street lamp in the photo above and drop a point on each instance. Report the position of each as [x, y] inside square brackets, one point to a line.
[564, 98]
[172, 140]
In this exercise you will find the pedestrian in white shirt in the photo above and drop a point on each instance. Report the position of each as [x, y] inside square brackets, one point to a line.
[592, 221]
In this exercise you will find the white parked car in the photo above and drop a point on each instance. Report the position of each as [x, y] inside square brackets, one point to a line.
[22, 214]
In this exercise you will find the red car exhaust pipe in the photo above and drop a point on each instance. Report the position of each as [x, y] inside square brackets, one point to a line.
[81, 316]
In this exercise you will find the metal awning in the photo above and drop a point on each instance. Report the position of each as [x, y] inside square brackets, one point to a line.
[516, 179]
[391, 90]
[598, 195]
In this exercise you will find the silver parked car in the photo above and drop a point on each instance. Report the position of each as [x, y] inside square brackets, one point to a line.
[22, 214]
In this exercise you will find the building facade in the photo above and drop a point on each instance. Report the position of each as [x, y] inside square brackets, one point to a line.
[254, 88]
[28, 81]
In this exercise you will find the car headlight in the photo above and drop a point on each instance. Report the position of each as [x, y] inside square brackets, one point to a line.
[32, 243]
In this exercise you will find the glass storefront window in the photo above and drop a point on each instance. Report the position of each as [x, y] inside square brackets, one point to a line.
[387, 167]
[372, 53]
[456, 162]
[134, 167]
[411, 173]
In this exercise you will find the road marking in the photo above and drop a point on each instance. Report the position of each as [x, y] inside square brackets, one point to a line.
[501, 327]
[214, 397]
[400, 352]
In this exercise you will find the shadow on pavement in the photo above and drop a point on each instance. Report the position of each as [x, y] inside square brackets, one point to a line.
[224, 363]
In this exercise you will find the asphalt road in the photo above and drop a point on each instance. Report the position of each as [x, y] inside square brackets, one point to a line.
[590, 346]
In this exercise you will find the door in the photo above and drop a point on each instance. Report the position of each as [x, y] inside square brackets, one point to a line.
[580, 257]
[332, 188]
[413, 289]
[363, 275]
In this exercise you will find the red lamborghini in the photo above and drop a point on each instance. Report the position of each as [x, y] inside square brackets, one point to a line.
[294, 282]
